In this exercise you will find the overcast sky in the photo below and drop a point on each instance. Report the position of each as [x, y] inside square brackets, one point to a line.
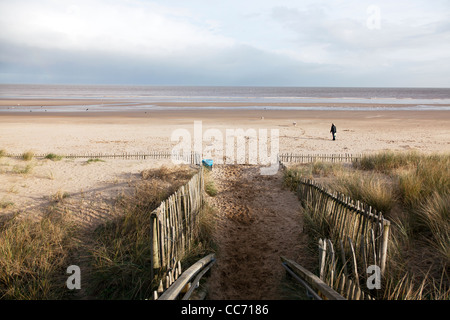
[226, 42]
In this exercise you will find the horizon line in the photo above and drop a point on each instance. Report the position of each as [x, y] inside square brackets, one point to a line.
[224, 86]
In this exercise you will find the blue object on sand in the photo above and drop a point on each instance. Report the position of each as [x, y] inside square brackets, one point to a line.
[207, 163]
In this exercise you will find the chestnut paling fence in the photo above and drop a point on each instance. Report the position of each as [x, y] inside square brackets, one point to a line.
[195, 158]
[356, 226]
[175, 222]
[174, 228]
[192, 157]
[358, 238]
[307, 158]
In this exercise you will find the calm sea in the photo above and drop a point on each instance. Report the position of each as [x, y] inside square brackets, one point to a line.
[146, 96]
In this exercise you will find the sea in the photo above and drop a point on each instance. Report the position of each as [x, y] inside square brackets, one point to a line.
[147, 97]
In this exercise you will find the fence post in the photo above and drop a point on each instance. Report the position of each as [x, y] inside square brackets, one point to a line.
[332, 263]
[322, 252]
[384, 246]
[355, 265]
[154, 238]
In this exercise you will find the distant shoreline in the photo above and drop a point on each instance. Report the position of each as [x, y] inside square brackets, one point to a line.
[81, 106]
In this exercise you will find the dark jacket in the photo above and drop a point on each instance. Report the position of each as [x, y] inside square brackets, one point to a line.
[333, 129]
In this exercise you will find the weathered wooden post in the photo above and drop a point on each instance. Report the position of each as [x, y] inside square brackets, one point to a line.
[154, 238]
[322, 253]
[384, 246]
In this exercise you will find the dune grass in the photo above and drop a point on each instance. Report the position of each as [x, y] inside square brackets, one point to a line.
[434, 217]
[6, 204]
[374, 190]
[28, 156]
[53, 157]
[92, 160]
[412, 190]
[23, 170]
[419, 175]
[210, 186]
[34, 256]
[58, 196]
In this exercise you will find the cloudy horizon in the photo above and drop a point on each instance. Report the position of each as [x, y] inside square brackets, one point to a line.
[237, 43]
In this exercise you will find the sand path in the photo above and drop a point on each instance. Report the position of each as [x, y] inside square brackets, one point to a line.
[258, 221]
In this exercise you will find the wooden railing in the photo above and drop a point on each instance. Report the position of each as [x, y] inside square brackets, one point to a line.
[312, 283]
[186, 283]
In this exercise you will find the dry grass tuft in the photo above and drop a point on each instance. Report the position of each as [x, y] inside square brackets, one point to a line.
[34, 256]
[59, 196]
[210, 186]
[22, 170]
[375, 190]
[53, 157]
[28, 156]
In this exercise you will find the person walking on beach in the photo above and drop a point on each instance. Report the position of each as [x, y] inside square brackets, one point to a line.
[333, 131]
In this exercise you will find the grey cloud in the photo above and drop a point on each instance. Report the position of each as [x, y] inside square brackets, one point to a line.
[237, 65]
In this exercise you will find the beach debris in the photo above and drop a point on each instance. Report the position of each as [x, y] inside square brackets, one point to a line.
[208, 163]
[294, 123]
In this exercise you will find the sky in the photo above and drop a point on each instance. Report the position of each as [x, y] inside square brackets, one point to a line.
[355, 43]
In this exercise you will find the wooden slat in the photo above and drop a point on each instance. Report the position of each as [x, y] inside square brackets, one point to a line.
[315, 282]
[174, 290]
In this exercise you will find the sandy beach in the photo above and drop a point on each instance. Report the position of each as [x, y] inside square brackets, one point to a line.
[146, 131]
[150, 130]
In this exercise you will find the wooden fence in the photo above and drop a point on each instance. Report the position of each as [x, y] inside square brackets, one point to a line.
[175, 223]
[307, 158]
[193, 158]
[359, 232]
[342, 272]
[359, 227]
